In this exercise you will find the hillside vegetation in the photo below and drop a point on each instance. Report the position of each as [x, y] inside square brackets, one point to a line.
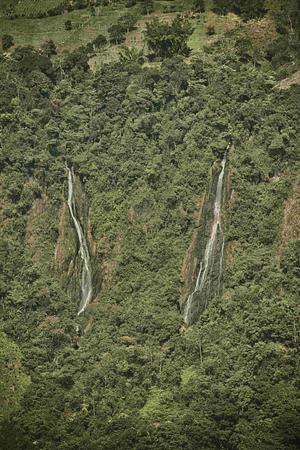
[33, 22]
[144, 134]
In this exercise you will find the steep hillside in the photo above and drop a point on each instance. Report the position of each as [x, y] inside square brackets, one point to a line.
[147, 145]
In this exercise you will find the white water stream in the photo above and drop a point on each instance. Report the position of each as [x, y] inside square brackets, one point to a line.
[86, 276]
[208, 259]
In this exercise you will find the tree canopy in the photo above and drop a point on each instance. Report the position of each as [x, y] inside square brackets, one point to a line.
[145, 142]
[166, 39]
[13, 381]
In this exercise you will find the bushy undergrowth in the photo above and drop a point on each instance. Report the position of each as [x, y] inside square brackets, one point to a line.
[142, 141]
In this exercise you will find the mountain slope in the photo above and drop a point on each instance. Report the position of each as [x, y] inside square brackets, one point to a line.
[142, 142]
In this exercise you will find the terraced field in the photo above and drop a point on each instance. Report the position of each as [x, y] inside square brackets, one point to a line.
[27, 30]
[85, 27]
[29, 8]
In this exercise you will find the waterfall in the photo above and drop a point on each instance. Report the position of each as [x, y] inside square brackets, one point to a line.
[202, 292]
[86, 276]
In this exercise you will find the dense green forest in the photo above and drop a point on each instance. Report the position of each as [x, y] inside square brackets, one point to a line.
[145, 134]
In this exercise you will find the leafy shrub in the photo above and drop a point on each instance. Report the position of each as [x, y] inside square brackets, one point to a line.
[7, 41]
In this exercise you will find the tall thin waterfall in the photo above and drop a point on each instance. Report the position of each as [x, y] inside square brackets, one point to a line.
[207, 275]
[86, 276]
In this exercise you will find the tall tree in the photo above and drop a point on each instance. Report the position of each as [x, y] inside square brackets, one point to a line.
[199, 6]
[116, 33]
[7, 41]
[127, 22]
[165, 39]
[147, 6]
[49, 48]
[286, 14]
[248, 9]
[68, 25]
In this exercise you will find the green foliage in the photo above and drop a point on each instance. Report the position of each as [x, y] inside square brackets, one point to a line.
[142, 141]
[285, 14]
[147, 6]
[116, 33]
[290, 261]
[13, 381]
[131, 56]
[99, 41]
[30, 31]
[68, 25]
[124, 25]
[7, 41]
[29, 8]
[49, 48]
[166, 40]
[199, 6]
[130, 3]
[30, 61]
[248, 9]
[40, 9]
[127, 22]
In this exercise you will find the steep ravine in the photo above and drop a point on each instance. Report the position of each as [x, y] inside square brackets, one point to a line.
[206, 251]
[86, 271]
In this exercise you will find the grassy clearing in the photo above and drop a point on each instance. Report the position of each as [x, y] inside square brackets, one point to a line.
[135, 38]
[85, 27]
[179, 5]
[199, 36]
[221, 25]
[104, 56]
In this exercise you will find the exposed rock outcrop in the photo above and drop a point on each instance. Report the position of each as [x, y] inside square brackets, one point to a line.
[190, 263]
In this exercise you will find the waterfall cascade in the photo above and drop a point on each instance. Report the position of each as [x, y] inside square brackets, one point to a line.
[211, 266]
[86, 277]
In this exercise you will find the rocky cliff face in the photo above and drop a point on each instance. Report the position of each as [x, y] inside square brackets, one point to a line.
[51, 239]
[191, 259]
[195, 255]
